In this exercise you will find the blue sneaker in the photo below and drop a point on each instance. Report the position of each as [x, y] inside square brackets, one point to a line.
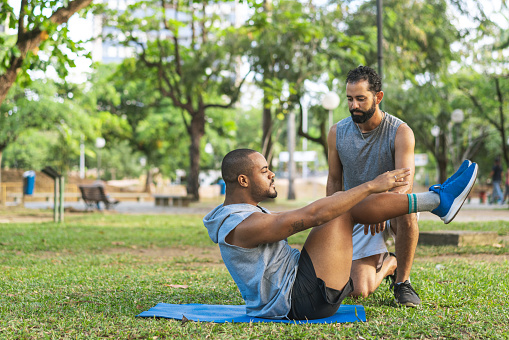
[454, 193]
[466, 163]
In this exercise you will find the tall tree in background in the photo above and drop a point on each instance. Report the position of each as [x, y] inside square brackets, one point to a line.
[39, 25]
[182, 49]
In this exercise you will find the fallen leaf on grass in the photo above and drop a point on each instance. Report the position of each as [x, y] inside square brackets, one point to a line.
[445, 281]
[177, 286]
[117, 243]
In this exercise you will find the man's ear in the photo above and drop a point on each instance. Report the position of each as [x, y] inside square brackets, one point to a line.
[379, 95]
[243, 181]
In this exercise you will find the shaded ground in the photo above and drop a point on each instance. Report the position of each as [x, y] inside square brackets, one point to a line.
[213, 256]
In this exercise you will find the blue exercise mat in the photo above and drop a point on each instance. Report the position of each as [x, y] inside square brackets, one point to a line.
[237, 313]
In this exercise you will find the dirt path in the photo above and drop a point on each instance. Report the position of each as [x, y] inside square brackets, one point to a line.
[211, 255]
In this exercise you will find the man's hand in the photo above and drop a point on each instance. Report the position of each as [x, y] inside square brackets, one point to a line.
[390, 179]
[375, 228]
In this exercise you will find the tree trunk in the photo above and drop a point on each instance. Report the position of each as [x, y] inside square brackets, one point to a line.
[291, 159]
[148, 180]
[196, 132]
[1, 193]
[9, 77]
[500, 98]
[442, 158]
[267, 130]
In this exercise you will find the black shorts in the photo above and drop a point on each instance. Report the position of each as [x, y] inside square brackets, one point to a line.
[311, 298]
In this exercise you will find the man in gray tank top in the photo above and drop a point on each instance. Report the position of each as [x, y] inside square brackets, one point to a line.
[362, 146]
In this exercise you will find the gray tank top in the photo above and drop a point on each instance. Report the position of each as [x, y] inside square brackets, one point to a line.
[366, 156]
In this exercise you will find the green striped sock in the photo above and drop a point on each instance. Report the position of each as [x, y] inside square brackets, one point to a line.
[412, 203]
[423, 201]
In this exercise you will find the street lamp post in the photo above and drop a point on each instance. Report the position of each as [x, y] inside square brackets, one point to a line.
[99, 144]
[330, 102]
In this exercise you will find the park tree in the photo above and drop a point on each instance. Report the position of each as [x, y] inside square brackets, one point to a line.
[131, 99]
[429, 108]
[294, 43]
[483, 78]
[43, 111]
[186, 51]
[40, 27]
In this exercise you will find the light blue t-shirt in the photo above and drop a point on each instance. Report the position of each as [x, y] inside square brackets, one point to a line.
[265, 274]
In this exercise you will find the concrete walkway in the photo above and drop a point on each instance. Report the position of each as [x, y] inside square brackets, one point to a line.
[473, 211]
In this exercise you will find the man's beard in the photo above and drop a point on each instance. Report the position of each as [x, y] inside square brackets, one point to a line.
[272, 194]
[268, 193]
[366, 115]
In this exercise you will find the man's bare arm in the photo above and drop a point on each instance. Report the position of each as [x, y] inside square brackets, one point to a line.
[335, 176]
[262, 228]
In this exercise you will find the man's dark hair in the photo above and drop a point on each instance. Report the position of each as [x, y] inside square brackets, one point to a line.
[236, 163]
[365, 73]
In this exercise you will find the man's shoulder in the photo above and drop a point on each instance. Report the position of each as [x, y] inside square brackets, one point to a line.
[393, 120]
[345, 122]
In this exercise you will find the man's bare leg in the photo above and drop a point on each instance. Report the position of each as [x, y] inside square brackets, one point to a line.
[330, 245]
[407, 235]
[330, 248]
[365, 278]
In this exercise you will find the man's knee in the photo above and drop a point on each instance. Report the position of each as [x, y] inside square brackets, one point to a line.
[362, 291]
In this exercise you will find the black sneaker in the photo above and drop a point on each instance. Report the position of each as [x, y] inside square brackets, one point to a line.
[405, 295]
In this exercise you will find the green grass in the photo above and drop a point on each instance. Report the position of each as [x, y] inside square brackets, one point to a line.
[89, 278]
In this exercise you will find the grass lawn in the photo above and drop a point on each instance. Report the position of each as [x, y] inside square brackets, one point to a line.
[88, 279]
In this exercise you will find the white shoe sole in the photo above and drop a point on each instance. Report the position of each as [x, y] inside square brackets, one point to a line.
[458, 202]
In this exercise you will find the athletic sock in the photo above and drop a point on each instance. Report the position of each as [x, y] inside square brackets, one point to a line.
[423, 201]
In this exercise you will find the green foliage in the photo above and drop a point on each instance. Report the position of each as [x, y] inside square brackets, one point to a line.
[42, 107]
[59, 50]
[30, 151]
[417, 36]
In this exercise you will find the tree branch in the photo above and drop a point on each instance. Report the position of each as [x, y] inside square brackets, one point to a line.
[233, 99]
[63, 14]
[479, 106]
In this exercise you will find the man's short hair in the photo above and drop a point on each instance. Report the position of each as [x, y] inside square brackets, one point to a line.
[365, 73]
[236, 163]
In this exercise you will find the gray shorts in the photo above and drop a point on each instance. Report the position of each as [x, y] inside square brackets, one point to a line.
[311, 298]
[368, 245]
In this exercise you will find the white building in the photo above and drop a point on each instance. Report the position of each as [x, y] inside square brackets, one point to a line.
[110, 50]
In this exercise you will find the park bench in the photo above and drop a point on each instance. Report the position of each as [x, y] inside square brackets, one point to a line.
[163, 200]
[93, 194]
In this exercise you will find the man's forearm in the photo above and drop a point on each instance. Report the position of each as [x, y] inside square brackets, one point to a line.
[333, 185]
